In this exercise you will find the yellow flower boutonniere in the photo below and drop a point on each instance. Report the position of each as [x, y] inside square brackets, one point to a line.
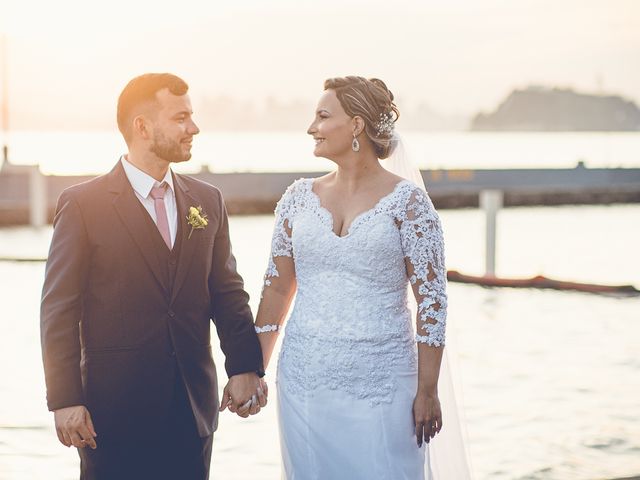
[197, 219]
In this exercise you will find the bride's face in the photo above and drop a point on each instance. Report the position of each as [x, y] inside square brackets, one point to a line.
[331, 128]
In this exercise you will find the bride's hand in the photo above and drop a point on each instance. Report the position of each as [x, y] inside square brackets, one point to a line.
[427, 416]
[241, 393]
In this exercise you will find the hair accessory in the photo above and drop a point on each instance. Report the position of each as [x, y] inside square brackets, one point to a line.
[385, 124]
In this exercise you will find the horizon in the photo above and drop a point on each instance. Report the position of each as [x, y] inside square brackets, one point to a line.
[225, 113]
[229, 114]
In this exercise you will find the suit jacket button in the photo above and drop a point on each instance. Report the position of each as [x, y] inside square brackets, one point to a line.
[172, 313]
[172, 354]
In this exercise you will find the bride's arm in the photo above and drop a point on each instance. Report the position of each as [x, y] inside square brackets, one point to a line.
[280, 278]
[274, 305]
[423, 246]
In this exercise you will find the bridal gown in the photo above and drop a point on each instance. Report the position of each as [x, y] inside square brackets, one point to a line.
[347, 370]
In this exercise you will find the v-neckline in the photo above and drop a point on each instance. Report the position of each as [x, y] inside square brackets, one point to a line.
[357, 218]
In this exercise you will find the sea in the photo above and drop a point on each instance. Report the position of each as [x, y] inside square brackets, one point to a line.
[549, 381]
[75, 153]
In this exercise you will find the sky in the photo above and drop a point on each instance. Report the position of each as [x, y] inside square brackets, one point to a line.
[68, 60]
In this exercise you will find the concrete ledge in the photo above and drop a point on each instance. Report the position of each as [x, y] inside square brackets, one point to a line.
[257, 193]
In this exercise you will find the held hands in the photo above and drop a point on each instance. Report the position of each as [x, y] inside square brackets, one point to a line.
[245, 394]
[427, 417]
[74, 427]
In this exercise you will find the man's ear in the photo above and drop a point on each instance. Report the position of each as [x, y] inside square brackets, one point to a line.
[141, 127]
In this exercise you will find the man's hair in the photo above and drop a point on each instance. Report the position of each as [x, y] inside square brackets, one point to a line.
[142, 90]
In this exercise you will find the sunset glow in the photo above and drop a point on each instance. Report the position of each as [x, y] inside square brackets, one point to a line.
[68, 60]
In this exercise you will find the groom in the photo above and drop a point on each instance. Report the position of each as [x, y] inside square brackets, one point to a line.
[140, 262]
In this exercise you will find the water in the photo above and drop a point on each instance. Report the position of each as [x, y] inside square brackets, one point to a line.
[550, 379]
[95, 152]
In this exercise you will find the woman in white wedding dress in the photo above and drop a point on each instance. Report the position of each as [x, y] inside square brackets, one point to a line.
[357, 384]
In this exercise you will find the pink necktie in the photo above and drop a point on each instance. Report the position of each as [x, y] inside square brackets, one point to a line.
[157, 193]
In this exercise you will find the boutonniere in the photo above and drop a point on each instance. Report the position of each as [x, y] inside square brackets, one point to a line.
[197, 219]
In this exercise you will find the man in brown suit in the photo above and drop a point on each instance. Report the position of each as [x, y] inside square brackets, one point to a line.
[140, 263]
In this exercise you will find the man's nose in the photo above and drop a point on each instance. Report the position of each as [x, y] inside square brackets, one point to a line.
[194, 130]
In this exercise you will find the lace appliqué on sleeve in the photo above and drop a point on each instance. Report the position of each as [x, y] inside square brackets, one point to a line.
[281, 241]
[423, 246]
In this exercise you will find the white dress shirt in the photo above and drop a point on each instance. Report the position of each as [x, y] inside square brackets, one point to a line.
[142, 184]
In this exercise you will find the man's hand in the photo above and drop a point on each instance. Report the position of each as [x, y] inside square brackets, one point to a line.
[244, 394]
[74, 427]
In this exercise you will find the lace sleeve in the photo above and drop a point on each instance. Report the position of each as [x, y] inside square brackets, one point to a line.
[423, 246]
[281, 241]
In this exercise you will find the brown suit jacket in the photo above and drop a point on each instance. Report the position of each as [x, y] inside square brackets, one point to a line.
[116, 329]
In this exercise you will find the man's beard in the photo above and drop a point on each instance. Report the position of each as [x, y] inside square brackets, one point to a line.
[168, 150]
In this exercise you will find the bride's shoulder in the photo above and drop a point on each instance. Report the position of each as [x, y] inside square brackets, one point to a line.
[304, 185]
[298, 187]
[294, 193]
[415, 198]
[394, 179]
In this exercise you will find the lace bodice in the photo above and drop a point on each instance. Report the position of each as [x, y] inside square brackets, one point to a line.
[350, 325]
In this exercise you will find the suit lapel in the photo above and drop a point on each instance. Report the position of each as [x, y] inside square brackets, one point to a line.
[128, 208]
[188, 246]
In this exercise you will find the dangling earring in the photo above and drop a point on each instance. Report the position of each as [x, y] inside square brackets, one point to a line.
[355, 145]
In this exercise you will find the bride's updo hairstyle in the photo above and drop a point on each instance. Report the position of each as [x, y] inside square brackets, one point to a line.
[371, 100]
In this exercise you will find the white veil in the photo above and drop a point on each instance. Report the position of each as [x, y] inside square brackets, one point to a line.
[448, 455]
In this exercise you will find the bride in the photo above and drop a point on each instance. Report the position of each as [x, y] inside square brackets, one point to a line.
[357, 385]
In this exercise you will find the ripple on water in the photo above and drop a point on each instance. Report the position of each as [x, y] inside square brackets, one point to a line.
[24, 427]
[605, 443]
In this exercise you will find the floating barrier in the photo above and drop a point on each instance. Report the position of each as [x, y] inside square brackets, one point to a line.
[540, 282]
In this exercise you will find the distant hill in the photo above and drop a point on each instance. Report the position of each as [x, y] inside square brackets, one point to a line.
[555, 109]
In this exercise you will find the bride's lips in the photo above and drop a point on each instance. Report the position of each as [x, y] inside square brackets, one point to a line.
[318, 141]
